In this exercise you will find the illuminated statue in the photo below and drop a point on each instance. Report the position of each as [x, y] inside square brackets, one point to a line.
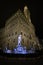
[19, 40]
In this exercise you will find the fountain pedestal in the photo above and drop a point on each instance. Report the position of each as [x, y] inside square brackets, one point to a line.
[20, 50]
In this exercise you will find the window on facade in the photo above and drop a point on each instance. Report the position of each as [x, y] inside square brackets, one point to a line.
[15, 33]
[30, 37]
[8, 45]
[23, 40]
[9, 35]
[14, 40]
[24, 34]
[21, 33]
[32, 42]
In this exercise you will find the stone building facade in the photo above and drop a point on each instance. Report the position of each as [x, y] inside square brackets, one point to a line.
[19, 24]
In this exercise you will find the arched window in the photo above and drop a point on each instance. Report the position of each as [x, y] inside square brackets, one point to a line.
[23, 40]
[21, 33]
[8, 45]
[14, 40]
[9, 35]
[30, 37]
[24, 34]
[15, 33]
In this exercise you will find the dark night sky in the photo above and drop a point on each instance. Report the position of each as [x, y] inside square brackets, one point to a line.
[8, 8]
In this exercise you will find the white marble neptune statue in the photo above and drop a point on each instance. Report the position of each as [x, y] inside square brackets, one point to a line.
[19, 40]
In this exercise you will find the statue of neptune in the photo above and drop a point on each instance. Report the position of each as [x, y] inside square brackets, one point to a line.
[19, 40]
